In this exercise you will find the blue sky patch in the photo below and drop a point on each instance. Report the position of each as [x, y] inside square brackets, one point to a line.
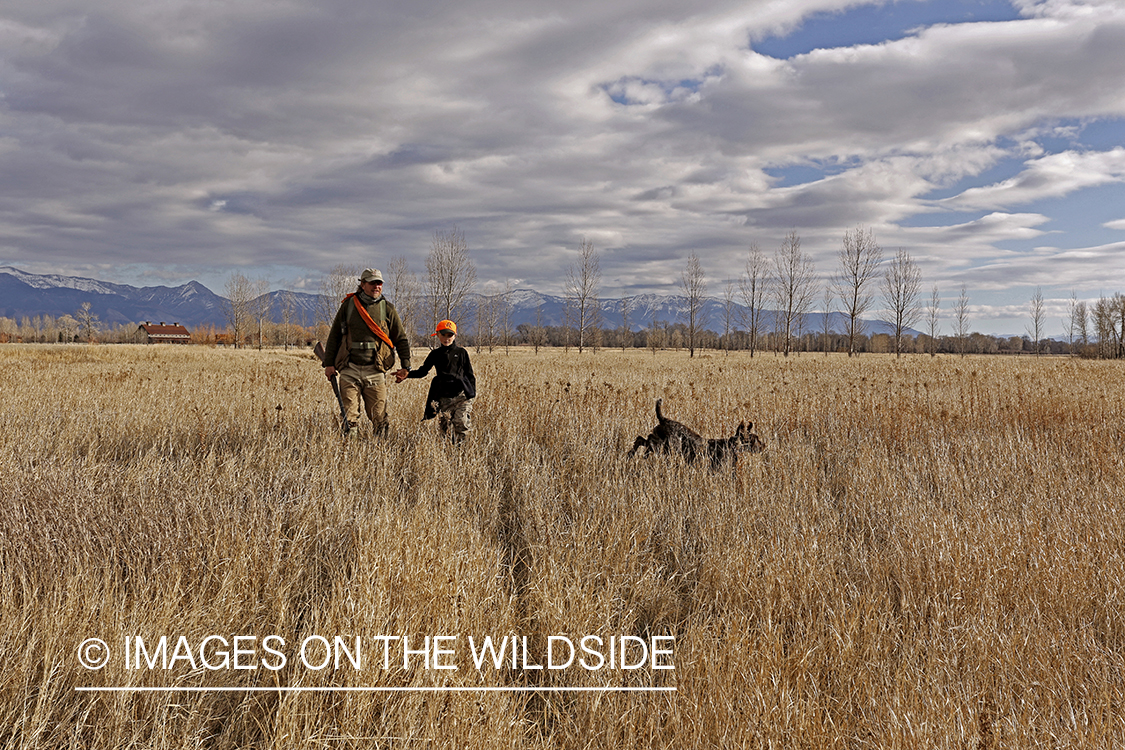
[1097, 135]
[876, 23]
[1005, 169]
[941, 219]
[1080, 215]
[803, 174]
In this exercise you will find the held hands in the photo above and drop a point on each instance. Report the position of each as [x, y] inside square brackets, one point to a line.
[330, 372]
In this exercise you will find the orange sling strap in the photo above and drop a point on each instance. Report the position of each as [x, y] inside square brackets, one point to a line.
[375, 329]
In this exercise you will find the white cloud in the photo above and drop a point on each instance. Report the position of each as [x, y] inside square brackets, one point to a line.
[309, 133]
[1065, 269]
[1051, 176]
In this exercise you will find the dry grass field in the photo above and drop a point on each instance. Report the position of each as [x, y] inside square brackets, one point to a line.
[930, 554]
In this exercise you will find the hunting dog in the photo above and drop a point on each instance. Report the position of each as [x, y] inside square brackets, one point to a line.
[670, 435]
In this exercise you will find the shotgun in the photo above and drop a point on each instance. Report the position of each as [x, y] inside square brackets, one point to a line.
[318, 350]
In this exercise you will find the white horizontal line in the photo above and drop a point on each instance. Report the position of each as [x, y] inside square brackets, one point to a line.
[375, 689]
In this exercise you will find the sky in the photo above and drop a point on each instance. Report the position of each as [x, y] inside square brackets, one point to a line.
[163, 141]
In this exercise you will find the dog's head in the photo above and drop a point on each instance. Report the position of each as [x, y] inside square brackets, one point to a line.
[746, 440]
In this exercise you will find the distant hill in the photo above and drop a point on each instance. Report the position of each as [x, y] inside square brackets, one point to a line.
[646, 308]
[26, 294]
[192, 304]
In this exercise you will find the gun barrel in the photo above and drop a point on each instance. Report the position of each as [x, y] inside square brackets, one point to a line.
[318, 350]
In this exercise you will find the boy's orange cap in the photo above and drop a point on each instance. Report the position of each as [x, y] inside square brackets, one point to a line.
[445, 325]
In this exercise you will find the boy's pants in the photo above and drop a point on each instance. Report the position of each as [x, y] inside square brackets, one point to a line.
[455, 412]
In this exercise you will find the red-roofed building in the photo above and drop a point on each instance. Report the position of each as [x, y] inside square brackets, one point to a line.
[159, 333]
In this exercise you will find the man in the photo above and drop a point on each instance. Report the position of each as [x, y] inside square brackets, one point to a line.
[361, 346]
[453, 388]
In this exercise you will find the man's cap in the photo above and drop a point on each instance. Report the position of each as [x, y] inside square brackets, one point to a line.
[370, 274]
[445, 325]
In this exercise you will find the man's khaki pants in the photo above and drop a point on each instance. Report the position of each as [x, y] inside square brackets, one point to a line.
[368, 383]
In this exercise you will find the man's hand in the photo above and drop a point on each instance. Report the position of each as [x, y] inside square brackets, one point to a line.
[401, 375]
[330, 372]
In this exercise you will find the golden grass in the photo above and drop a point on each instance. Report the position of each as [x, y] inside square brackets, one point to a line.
[930, 554]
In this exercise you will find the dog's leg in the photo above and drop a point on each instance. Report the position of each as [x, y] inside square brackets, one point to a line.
[640, 441]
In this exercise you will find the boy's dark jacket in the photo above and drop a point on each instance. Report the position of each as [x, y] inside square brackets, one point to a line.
[454, 376]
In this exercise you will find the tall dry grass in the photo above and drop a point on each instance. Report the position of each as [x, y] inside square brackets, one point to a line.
[930, 554]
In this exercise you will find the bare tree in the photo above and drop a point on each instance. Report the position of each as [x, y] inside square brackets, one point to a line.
[506, 316]
[754, 286]
[239, 305]
[728, 315]
[1083, 315]
[87, 322]
[450, 275]
[1104, 328]
[288, 303]
[260, 306]
[626, 334]
[68, 328]
[1035, 330]
[340, 282]
[657, 337]
[827, 317]
[488, 315]
[902, 281]
[9, 329]
[1119, 315]
[694, 286]
[538, 333]
[793, 286]
[1108, 314]
[1077, 325]
[932, 316]
[582, 283]
[404, 290]
[858, 265]
[961, 320]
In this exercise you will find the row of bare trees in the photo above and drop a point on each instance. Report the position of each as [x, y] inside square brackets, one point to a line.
[1103, 323]
[787, 283]
[780, 289]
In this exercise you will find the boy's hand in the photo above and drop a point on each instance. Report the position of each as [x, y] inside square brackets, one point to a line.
[401, 375]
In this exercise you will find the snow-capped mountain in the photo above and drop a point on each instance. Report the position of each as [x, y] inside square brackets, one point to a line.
[192, 304]
[26, 294]
[55, 281]
[645, 310]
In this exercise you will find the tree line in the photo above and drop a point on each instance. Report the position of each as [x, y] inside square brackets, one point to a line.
[766, 308]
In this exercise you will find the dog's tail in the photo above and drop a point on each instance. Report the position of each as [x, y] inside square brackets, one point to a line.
[659, 416]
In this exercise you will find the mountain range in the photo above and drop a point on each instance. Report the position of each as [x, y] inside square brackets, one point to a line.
[25, 294]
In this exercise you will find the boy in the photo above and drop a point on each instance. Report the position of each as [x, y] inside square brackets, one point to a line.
[454, 388]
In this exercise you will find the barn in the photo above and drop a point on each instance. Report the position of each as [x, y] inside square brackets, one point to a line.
[160, 333]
